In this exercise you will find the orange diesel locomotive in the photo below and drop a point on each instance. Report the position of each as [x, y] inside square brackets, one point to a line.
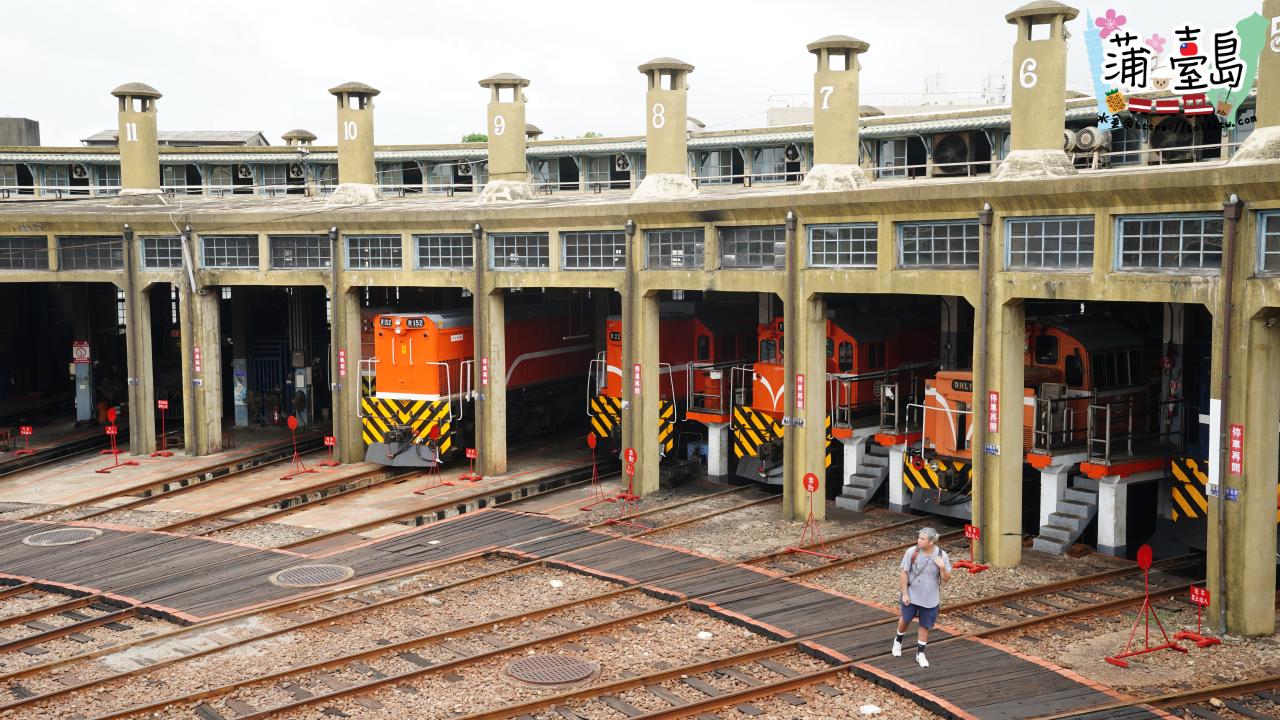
[416, 410]
[1076, 371]
[863, 353]
[692, 337]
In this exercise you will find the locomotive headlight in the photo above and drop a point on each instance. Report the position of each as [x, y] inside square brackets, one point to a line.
[934, 466]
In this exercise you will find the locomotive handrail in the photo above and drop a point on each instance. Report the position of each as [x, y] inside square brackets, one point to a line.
[693, 397]
[740, 392]
[1043, 434]
[466, 383]
[1100, 423]
[596, 378]
[373, 371]
[924, 416]
[841, 412]
[671, 386]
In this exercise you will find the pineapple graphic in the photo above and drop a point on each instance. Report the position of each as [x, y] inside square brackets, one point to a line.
[1116, 101]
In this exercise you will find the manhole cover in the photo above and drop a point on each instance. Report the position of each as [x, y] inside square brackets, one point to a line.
[61, 536]
[311, 575]
[550, 669]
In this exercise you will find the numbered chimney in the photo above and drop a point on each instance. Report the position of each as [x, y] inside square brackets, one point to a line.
[666, 139]
[508, 171]
[357, 177]
[1039, 91]
[139, 151]
[1264, 142]
[835, 115]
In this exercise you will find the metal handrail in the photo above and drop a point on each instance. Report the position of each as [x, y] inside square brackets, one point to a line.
[1044, 436]
[597, 377]
[696, 400]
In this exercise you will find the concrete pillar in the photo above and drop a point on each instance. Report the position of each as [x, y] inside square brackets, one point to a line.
[997, 485]
[202, 408]
[835, 115]
[1053, 487]
[139, 149]
[897, 491]
[489, 313]
[1039, 87]
[666, 139]
[804, 348]
[718, 451]
[508, 168]
[1263, 143]
[640, 412]
[357, 171]
[345, 330]
[141, 376]
[950, 343]
[1113, 510]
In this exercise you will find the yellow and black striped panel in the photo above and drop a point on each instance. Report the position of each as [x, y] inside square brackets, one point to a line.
[925, 477]
[832, 444]
[752, 429]
[367, 386]
[606, 415]
[667, 426]
[420, 415]
[1188, 489]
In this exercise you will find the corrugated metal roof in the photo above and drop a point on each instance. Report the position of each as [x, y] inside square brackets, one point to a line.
[241, 137]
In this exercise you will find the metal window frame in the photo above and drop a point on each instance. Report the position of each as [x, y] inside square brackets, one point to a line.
[755, 253]
[609, 252]
[390, 244]
[1262, 217]
[900, 231]
[320, 259]
[873, 241]
[1118, 241]
[466, 256]
[540, 242]
[14, 256]
[112, 246]
[665, 238]
[1078, 268]
[251, 259]
[153, 257]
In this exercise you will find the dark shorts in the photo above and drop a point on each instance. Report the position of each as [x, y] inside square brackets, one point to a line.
[926, 616]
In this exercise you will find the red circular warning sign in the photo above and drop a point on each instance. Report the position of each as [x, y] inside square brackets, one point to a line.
[591, 440]
[293, 422]
[811, 482]
[629, 455]
[111, 414]
[1144, 557]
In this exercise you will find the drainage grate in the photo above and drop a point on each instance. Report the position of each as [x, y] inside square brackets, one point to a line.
[61, 536]
[550, 669]
[311, 575]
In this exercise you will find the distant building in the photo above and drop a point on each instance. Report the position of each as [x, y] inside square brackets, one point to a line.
[185, 138]
[19, 132]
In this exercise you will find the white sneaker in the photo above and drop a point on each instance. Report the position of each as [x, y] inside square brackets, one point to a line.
[921, 661]
[897, 649]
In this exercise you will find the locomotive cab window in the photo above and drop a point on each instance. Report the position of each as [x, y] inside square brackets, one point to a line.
[831, 348]
[768, 351]
[845, 362]
[1074, 372]
[704, 347]
[1046, 350]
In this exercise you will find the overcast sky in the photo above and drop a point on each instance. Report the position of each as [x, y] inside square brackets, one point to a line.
[266, 65]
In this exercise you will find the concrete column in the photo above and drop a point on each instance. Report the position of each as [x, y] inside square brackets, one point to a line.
[141, 375]
[139, 149]
[897, 491]
[202, 411]
[997, 485]
[718, 452]
[357, 170]
[489, 312]
[508, 168]
[1113, 510]
[1039, 86]
[804, 348]
[835, 115]
[1263, 143]
[640, 412]
[1053, 487]
[345, 331]
[666, 138]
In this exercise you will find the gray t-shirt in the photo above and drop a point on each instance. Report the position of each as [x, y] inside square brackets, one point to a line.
[923, 577]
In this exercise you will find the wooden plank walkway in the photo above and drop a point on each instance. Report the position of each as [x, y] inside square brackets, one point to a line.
[195, 579]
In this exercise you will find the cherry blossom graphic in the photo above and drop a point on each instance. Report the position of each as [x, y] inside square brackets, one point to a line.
[1155, 42]
[1110, 23]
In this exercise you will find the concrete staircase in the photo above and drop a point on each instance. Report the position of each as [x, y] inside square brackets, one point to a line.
[864, 483]
[1073, 514]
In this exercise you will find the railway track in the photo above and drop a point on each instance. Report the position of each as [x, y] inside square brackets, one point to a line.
[48, 455]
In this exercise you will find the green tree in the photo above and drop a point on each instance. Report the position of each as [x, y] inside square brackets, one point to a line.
[592, 134]
[475, 137]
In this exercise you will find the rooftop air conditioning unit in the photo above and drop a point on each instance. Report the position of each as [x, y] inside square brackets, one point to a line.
[1093, 138]
[1069, 143]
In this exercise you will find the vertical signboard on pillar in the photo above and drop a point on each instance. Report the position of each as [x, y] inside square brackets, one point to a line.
[484, 370]
[799, 393]
[195, 359]
[635, 380]
[80, 352]
[342, 363]
[1235, 450]
[993, 411]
